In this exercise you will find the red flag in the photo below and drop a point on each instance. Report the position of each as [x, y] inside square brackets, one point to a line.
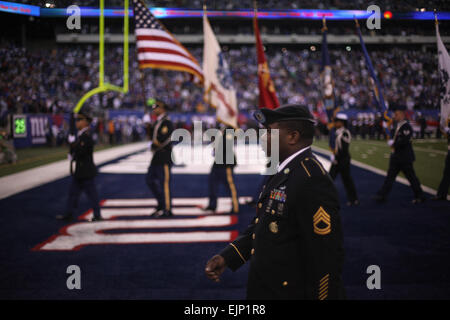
[267, 95]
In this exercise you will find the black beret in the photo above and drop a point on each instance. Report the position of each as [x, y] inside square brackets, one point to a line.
[84, 112]
[398, 107]
[158, 103]
[289, 112]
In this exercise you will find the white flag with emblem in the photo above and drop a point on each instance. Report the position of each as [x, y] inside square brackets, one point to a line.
[219, 89]
[444, 75]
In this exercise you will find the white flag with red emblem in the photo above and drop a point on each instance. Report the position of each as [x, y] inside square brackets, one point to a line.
[219, 89]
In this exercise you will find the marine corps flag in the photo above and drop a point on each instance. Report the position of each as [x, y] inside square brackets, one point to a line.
[219, 90]
[444, 76]
[267, 95]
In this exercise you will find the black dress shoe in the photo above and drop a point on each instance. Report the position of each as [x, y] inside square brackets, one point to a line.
[156, 213]
[439, 198]
[208, 208]
[166, 214]
[65, 217]
[96, 219]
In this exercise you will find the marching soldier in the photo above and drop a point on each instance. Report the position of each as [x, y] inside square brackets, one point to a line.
[402, 158]
[222, 171]
[445, 182]
[340, 159]
[158, 176]
[295, 243]
[81, 152]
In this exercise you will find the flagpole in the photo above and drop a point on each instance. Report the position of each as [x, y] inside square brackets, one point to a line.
[376, 84]
[143, 86]
[324, 24]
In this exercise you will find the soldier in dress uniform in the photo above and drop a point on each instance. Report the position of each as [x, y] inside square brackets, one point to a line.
[295, 242]
[81, 152]
[442, 191]
[222, 171]
[158, 176]
[402, 158]
[340, 159]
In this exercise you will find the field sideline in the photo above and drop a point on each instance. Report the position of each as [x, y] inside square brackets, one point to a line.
[429, 164]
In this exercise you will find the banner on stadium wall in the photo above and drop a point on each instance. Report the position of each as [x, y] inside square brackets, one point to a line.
[12, 7]
[31, 129]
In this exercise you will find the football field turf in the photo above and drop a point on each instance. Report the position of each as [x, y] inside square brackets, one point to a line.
[429, 164]
[132, 256]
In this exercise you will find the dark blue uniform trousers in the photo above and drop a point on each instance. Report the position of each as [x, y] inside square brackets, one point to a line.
[395, 166]
[222, 175]
[158, 180]
[75, 190]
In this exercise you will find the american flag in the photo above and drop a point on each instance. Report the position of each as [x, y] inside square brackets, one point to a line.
[158, 48]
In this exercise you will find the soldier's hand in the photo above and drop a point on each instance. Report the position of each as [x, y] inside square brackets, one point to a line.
[71, 138]
[215, 267]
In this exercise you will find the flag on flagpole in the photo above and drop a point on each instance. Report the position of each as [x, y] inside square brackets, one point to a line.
[158, 48]
[267, 95]
[374, 81]
[326, 77]
[373, 78]
[218, 83]
[444, 76]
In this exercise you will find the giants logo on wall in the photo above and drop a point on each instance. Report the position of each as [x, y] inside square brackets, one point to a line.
[128, 221]
[38, 128]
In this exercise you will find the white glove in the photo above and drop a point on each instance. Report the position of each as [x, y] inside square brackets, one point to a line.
[150, 144]
[390, 142]
[71, 138]
[69, 156]
[447, 130]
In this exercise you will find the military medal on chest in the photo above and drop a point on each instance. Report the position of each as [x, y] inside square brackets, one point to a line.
[273, 227]
[278, 195]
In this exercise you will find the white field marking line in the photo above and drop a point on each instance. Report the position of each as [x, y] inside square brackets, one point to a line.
[109, 213]
[223, 207]
[67, 242]
[203, 201]
[250, 160]
[381, 172]
[414, 147]
[31, 178]
[209, 221]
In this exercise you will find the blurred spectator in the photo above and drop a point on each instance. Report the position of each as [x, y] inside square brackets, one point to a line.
[7, 150]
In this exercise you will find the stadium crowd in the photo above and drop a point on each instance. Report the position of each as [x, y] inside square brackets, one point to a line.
[31, 81]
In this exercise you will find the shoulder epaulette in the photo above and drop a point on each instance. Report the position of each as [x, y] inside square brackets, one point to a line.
[311, 166]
